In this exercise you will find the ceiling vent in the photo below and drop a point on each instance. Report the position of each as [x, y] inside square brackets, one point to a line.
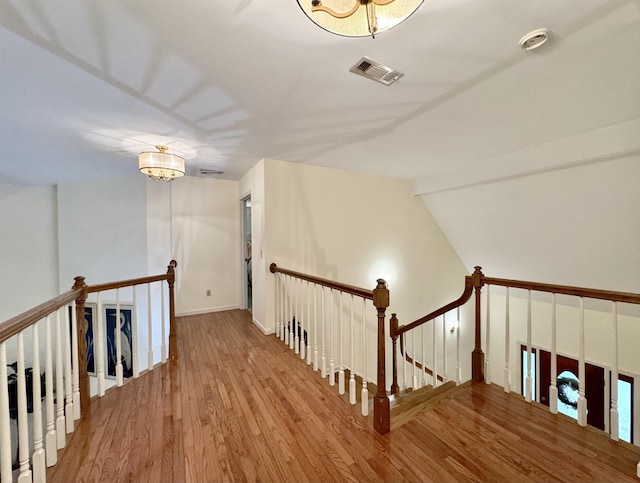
[376, 71]
[207, 172]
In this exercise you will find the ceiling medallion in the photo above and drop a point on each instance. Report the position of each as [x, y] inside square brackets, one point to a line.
[358, 18]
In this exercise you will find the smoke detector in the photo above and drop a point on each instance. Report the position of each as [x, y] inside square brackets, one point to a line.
[534, 39]
[376, 71]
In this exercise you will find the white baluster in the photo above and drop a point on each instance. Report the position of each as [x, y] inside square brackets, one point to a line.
[149, 329]
[135, 363]
[364, 397]
[303, 321]
[51, 445]
[445, 370]
[277, 289]
[315, 327]
[309, 324]
[23, 424]
[352, 375]
[323, 355]
[68, 390]
[74, 357]
[292, 315]
[38, 459]
[5, 424]
[528, 381]
[553, 388]
[163, 330]
[118, 341]
[296, 316]
[99, 334]
[332, 363]
[487, 370]
[458, 368]
[287, 314]
[297, 312]
[414, 362]
[60, 422]
[507, 347]
[405, 346]
[434, 377]
[341, 381]
[614, 374]
[283, 311]
[423, 340]
[582, 402]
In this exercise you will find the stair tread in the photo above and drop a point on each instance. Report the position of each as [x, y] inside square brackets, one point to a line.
[423, 401]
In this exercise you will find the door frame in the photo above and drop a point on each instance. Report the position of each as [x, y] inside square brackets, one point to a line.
[244, 291]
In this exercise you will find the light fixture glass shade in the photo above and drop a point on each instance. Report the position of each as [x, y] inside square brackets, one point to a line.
[161, 166]
[358, 18]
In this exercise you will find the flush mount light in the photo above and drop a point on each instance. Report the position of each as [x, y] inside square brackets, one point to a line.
[358, 18]
[161, 166]
[534, 39]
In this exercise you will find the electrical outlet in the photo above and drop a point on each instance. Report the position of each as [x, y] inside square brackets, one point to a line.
[208, 292]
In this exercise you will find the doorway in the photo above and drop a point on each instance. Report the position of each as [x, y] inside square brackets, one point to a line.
[247, 253]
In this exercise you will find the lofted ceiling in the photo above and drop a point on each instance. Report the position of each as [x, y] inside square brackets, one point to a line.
[86, 85]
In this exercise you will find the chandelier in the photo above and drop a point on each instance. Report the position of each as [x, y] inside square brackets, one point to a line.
[358, 18]
[161, 165]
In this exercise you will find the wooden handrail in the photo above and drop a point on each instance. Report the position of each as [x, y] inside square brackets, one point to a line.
[126, 283]
[631, 298]
[343, 287]
[463, 299]
[20, 322]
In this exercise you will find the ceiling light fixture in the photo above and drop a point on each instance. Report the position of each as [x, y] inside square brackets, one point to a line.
[358, 18]
[161, 166]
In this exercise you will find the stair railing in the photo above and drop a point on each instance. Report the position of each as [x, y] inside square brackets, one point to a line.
[317, 318]
[40, 430]
[424, 368]
[612, 329]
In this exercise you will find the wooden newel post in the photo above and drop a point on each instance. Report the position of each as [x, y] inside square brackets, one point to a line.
[171, 279]
[83, 377]
[394, 339]
[477, 356]
[381, 407]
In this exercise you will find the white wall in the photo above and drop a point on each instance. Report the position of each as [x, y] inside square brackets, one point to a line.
[102, 230]
[205, 216]
[354, 229]
[29, 245]
[576, 226]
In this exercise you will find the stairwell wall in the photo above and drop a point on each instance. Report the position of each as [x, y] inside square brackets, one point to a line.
[355, 229]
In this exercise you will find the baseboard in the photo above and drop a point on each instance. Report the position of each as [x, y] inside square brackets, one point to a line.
[207, 310]
[264, 330]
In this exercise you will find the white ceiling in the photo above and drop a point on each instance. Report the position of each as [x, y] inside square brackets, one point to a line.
[86, 85]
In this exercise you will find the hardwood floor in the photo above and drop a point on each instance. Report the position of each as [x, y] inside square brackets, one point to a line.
[240, 406]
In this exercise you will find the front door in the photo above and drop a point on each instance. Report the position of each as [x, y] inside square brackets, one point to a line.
[567, 382]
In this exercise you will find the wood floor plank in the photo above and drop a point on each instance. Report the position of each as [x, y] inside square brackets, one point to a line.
[241, 406]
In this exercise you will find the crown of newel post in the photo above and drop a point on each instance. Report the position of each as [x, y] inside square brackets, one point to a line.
[381, 406]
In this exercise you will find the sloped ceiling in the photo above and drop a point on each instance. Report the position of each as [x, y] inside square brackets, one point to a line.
[528, 160]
